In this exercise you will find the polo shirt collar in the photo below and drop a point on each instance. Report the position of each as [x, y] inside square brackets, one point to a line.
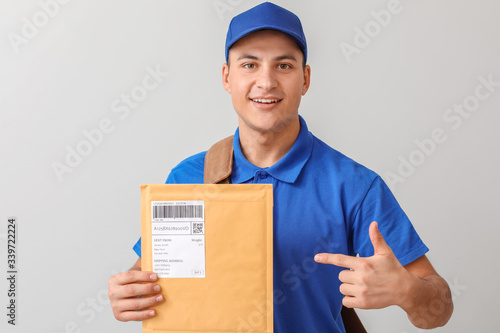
[287, 169]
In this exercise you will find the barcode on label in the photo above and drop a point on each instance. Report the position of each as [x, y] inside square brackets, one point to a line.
[169, 211]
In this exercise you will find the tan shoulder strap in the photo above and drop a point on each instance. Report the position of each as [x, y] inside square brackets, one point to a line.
[219, 162]
[352, 323]
[218, 167]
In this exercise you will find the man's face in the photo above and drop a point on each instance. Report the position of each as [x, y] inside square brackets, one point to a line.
[266, 80]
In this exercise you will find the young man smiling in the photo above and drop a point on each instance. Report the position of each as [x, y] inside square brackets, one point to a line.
[266, 78]
[324, 201]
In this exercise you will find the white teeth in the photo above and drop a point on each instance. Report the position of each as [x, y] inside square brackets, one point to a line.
[268, 101]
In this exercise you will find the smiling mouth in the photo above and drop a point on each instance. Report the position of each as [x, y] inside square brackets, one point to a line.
[266, 101]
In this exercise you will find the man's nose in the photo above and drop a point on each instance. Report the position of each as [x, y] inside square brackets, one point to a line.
[267, 78]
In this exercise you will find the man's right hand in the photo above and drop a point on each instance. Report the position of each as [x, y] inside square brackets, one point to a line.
[125, 289]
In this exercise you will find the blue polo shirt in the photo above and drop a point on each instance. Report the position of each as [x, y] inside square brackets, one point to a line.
[323, 202]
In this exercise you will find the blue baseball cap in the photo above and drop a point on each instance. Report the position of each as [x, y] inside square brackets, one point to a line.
[266, 16]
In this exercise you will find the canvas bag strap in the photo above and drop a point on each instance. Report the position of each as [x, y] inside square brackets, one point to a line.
[352, 323]
[219, 162]
[218, 168]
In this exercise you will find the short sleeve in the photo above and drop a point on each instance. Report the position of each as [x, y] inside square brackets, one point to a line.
[137, 247]
[379, 204]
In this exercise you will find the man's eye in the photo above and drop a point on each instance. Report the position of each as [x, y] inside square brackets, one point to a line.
[284, 66]
[249, 66]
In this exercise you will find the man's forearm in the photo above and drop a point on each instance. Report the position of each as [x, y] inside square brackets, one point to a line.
[429, 302]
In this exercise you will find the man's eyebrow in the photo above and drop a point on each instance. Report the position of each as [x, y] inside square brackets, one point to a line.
[279, 58]
[248, 56]
[285, 57]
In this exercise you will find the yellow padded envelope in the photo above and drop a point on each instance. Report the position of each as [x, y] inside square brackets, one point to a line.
[233, 290]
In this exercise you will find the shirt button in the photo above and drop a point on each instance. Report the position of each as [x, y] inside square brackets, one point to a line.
[263, 176]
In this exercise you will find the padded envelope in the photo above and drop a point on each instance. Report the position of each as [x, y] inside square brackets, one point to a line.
[236, 294]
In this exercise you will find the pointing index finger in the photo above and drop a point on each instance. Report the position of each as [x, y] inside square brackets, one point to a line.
[336, 259]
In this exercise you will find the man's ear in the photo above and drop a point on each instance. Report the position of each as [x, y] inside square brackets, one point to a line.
[225, 78]
[307, 79]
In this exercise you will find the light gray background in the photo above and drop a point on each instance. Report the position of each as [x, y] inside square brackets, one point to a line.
[75, 233]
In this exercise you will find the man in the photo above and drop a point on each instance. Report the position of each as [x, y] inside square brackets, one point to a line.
[324, 202]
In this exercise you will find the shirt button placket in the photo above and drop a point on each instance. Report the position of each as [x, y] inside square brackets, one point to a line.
[260, 176]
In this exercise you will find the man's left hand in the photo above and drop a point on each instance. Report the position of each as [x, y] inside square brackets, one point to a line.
[374, 282]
